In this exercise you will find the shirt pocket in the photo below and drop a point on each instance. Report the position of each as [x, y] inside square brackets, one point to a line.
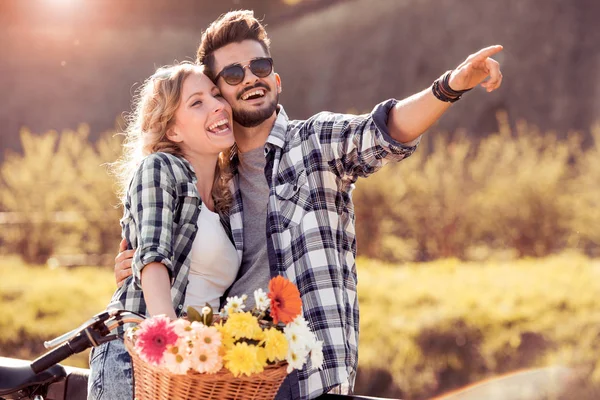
[187, 200]
[294, 199]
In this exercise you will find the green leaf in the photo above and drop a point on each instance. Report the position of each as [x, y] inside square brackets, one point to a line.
[193, 315]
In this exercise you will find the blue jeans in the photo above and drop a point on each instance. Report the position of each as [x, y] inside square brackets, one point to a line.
[289, 389]
[111, 373]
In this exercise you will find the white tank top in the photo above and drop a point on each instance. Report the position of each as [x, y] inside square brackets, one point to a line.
[214, 264]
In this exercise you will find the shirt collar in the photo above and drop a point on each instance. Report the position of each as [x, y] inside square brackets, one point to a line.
[277, 135]
[190, 169]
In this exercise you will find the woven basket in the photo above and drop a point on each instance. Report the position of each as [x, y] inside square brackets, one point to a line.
[153, 383]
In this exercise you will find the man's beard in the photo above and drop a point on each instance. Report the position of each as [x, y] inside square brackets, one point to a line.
[252, 118]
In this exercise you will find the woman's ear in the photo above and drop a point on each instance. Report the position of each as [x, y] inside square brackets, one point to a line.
[173, 134]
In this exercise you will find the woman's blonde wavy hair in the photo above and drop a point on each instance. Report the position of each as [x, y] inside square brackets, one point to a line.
[153, 114]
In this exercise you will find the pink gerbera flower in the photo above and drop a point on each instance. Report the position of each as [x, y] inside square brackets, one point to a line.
[153, 337]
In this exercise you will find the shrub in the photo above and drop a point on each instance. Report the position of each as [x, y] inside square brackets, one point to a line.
[58, 195]
[515, 193]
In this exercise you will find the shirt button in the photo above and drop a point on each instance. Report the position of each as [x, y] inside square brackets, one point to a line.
[180, 306]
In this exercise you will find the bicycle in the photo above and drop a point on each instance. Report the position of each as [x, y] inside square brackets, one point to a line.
[45, 379]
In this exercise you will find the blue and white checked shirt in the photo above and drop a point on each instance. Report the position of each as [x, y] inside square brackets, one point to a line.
[311, 169]
[160, 216]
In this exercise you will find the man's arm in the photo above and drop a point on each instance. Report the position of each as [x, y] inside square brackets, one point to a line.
[412, 116]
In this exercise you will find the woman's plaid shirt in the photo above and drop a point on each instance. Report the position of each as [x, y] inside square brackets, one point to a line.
[311, 168]
[159, 221]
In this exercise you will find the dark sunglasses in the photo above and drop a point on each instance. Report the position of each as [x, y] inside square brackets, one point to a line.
[234, 74]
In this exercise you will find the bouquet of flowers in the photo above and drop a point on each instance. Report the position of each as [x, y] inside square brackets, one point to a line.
[230, 345]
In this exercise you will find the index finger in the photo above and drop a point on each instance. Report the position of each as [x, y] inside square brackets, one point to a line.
[487, 52]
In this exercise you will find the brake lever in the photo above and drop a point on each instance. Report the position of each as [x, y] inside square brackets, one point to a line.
[99, 332]
[100, 317]
[96, 328]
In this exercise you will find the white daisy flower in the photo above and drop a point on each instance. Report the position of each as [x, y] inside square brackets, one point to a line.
[176, 359]
[235, 304]
[261, 300]
[316, 354]
[298, 337]
[299, 321]
[295, 359]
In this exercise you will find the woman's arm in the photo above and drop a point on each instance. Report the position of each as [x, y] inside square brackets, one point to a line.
[149, 224]
[157, 290]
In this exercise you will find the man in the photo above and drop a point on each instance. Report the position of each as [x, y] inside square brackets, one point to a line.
[294, 179]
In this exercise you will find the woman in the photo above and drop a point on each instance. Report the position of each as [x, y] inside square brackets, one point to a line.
[174, 178]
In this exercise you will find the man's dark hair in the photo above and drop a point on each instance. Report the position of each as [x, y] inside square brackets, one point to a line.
[233, 27]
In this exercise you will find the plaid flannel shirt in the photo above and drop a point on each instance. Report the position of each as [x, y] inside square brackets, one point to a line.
[159, 221]
[311, 169]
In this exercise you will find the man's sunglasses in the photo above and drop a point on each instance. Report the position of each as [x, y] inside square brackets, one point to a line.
[234, 74]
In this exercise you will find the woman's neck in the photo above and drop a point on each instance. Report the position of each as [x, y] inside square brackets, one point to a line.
[204, 165]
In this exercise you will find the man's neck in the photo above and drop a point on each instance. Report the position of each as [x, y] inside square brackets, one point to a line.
[252, 138]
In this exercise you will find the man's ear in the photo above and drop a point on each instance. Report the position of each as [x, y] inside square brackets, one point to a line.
[278, 82]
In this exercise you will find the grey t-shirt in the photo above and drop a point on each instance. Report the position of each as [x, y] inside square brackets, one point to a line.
[254, 271]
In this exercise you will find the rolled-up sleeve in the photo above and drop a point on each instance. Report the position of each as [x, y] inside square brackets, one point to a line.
[359, 145]
[152, 206]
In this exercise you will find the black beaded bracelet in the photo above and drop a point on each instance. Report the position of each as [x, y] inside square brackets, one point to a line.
[437, 92]
[442, 91]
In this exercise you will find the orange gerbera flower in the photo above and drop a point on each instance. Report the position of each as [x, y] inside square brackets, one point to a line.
[285, 300]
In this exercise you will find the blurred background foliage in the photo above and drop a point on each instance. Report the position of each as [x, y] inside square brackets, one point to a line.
[478, 254]
[515, 193]
[57, 197]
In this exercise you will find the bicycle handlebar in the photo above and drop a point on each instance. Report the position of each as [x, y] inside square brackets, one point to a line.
[93, 332]
[69, 335]
[74, 346]
[103, 316]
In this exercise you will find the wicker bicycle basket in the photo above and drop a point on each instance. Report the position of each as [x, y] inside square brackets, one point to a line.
[154, 383]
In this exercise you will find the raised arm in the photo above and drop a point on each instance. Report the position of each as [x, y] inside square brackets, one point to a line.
[412, 116]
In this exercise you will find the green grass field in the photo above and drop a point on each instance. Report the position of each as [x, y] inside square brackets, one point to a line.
[447, 323]
[39, 303]
[432, 326]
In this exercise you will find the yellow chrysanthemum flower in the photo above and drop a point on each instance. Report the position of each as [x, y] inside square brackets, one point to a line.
[243, 325]
[227, 340]
[276, 345]
[243, 359]
[261, 355]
